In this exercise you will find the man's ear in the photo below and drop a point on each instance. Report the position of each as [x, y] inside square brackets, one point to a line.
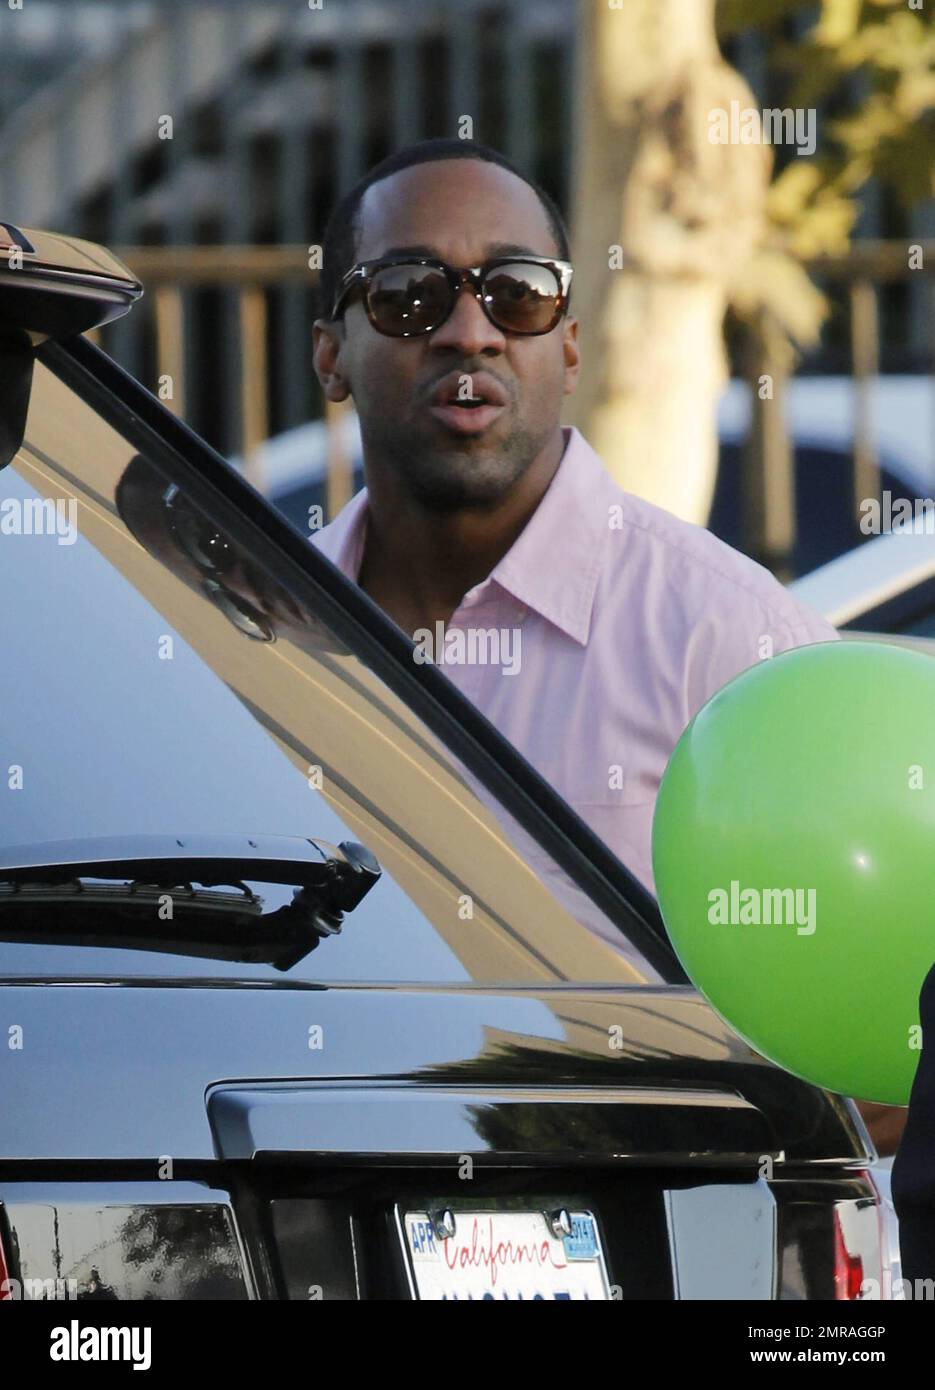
[571, 352]
[327, 340]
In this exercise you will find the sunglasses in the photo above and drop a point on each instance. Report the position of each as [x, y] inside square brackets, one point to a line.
[405, 296]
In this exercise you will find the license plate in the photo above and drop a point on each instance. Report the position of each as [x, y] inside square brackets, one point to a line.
[505, 1255]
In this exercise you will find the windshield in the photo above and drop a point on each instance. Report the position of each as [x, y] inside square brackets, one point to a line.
[158, 680]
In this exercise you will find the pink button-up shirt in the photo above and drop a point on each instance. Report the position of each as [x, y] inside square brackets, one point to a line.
[598, 636]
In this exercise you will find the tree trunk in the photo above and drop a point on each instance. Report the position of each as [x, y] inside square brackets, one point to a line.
[663, 219]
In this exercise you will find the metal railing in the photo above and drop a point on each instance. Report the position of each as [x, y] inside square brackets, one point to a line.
[265, 115]
[251, 273]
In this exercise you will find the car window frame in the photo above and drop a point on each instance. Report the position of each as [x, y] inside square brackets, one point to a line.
[128, 407]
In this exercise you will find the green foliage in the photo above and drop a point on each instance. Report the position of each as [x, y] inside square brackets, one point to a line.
[868, 67]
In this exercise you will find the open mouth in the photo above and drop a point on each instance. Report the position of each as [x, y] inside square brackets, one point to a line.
[468, 414]
[467, 417]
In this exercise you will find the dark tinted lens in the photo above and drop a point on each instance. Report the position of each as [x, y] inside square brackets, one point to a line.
[523, 298]
[409, 298]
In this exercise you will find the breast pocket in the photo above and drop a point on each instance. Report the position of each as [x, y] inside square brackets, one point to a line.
[625, 825]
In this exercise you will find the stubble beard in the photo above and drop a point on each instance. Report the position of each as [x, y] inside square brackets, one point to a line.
[468, 473]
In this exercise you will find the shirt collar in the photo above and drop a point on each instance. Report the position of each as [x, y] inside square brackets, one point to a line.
[553, 565]
[342, 540]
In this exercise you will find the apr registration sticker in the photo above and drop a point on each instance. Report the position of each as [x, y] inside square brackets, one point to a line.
[582, 1243]
[504, 1255]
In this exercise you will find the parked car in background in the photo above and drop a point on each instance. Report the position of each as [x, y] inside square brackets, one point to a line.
[820, 414]
[886, 586]
[821, 411]
[312, 987]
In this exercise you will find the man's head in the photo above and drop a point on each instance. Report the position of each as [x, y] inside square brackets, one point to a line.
[462, 204]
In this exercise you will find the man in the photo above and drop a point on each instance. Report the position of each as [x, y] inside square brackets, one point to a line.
[600, 623]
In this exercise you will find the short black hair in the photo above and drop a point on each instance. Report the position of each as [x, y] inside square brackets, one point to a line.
[339, 250]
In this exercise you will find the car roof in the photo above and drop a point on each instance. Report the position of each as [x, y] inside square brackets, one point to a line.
[870, 574]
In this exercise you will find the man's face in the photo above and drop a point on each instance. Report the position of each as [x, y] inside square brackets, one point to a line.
[462, 211]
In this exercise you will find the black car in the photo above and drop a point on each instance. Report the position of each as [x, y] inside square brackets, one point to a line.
[310, 988]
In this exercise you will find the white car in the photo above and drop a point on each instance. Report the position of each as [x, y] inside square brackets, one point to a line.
[885, 587]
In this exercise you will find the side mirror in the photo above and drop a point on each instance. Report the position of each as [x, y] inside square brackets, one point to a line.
[16, 357]
[55, 286]
[51, 286]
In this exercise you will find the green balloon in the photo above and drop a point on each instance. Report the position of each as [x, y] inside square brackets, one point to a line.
[794, 858]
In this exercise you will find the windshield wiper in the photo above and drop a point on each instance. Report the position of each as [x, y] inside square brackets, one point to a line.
[118, 891]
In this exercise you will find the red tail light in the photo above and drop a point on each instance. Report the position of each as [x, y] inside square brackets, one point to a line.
[848, 1268]
[6, 1293]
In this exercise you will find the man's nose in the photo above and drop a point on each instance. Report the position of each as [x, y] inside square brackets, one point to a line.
[467, 328]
